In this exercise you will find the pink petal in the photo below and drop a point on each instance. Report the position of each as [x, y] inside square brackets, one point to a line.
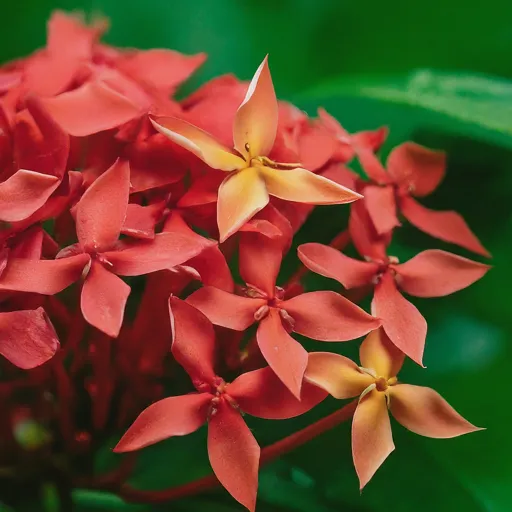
[379, 354]
[225, 309]
[103, 300]
[381, 206]
[101, 212]
[287, 358]
[260, 393]
[234, 454]
[417, 169]
[166, 250]
[213, 268]
[27, 338]
[47, 277]
[91, 108]
[24, 193]
[448, 226]
[329, 262]
[427, 413]
[336, 374]
[316, 146]
[435, 273]
[328, 316]
[403, 323]
[193, 340]
[372, 165]
[173, 416]
[140, 221]
[372, 440]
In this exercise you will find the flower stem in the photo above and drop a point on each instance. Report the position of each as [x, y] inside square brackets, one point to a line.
[268, 454]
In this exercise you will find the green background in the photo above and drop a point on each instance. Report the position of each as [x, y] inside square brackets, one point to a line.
[360, 60]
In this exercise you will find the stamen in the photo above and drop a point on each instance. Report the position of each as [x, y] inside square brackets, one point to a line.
[287, 319]
[261, 313]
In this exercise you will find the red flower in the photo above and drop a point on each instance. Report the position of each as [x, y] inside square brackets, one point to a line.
[232, 449]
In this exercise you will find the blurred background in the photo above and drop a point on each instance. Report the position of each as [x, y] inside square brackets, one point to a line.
[435, 72]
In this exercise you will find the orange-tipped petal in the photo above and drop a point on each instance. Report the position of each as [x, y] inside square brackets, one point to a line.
[435, 273]
[425, 412]
[336, 374]
[198, 142]
[378, 353]
[372, 440]
[256, 119]
[303, 186]
[241, 195]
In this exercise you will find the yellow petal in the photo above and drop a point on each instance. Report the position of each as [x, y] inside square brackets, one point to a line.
[198, 142]
[241, 195]
[380, 354]
[304, 186]
[256, 119]
[372, 440]
[336, 374]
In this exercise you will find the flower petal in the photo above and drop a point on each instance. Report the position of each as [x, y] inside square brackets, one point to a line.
[416, 168]
[403, 323]
[381, 206]
[193, 340]
[328, 316]
[103, 300]
[435, 273]
[242, 194]
[287, 358]
[372, 440]
[371, 165]
[425, 412]
[234, 454]
[213, 268]
[27, 338]
[91, 108]
[173, 416]
[166, 250]
[256, 119]
[198, 142]
[225, 309]
[47, 277]
[336, 374]
[329, 262]
[448, 226]
[378, 353]
[303, 186]
[101, 211]
[24, 193]
[260, 393]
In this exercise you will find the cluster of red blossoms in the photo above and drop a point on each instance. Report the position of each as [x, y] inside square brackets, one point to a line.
[105, 176]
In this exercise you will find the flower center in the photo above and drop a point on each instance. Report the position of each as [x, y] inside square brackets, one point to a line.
[382, 384]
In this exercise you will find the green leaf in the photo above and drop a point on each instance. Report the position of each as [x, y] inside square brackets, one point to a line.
[97, 501]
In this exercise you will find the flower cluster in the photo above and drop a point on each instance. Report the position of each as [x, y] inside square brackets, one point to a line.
[124, 213]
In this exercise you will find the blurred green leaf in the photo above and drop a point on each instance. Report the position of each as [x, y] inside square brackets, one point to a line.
[96, 501]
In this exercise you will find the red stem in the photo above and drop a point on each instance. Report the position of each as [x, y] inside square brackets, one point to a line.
[268, 454]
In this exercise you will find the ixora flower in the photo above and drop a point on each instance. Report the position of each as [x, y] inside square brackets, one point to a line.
[419, 409]
[253, 176]
[233, 451]
[431, 273]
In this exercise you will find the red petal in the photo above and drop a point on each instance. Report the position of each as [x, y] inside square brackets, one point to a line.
[435, 273]
[287, 358]
[372, 440]
[103, 300]
[448, 226]
[234, 454]
[213, 268]
[226, 309]
[166, 250]
[329, 262]
[101, 212]
[372, 165]
[193, 343]
[140, 221]
[24, 193]
[173, 416]
[427, 413]
[316, 146]
[27, 338]
[47, 277]
[381, 206]
[416, 169]
[327, 316]
[403, 323]
[260, 393]
[91, 108]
